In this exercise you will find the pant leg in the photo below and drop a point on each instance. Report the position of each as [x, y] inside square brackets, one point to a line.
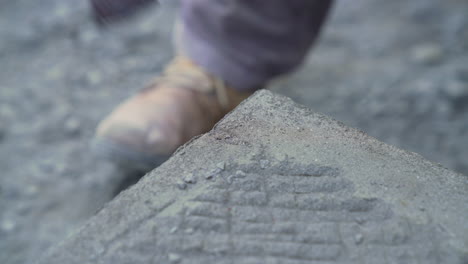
[248, 42]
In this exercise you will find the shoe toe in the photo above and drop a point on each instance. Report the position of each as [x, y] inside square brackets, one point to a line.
[127, 147]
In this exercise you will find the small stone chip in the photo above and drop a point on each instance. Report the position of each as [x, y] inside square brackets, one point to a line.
[182, 185]
[219, 168]
[264, 164]
[190, 178]
[358, 238]
[72, 126]
[221, 165]
[7, 226]
[427, 54]
[209, 176]
[174, 258]
[31, 190]
[240, 174]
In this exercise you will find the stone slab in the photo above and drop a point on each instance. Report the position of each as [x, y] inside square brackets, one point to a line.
[275, 182]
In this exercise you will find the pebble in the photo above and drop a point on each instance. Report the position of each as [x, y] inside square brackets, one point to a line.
[358, 238]
[174, 258]
[31, 190]
[55, 73]
[219, 168]
[211, 174]
[7, 111]
[456, 89]
[427, 54]
[264, 164]
[240, 174]
[181, 185]
[8, 225]
[221, 165]
[190, 178]
[62, 12]
[146, 27]
[93, 77]
[360, 220]
[72, 126]
[88, 36]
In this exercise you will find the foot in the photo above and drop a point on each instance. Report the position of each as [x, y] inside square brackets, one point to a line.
[146, 129]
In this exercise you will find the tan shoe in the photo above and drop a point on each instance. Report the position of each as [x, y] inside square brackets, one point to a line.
[146, 129]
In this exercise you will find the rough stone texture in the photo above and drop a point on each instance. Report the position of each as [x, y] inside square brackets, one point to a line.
[277, 183]
[376, 66]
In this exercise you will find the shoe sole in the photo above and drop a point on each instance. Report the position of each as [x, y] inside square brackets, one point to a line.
[125, 157]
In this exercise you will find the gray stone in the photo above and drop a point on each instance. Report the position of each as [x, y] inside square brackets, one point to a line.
[330, 194]
[263, 164]
[456, 89]
[221, 165]
[240, 174]
[190, 178]
[181, 185]
[7, 226]
[72, 126]
[174, 258]
[427, 54]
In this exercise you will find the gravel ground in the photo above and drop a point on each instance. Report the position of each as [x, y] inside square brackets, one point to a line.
[396, 69]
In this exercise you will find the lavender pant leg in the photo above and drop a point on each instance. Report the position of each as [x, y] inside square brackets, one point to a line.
[248, 42]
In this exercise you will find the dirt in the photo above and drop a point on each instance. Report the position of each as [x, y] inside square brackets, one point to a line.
[398, 70]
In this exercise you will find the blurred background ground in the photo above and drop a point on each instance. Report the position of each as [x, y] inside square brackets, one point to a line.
[396, 69]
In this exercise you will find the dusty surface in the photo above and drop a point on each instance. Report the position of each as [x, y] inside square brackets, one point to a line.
[278, 183]
[396, 69]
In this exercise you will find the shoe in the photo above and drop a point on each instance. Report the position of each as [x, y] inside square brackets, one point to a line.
[146, 129]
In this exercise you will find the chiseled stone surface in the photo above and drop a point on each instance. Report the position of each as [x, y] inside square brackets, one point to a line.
[274, 182]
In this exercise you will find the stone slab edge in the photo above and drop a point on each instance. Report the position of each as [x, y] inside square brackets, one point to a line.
[272, 127]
